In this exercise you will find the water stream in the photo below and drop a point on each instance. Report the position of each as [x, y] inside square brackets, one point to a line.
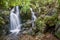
[33, 17]
[14, 20]
[15, 23]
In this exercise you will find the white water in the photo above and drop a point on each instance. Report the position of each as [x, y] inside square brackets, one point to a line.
[33, 17]
[14, 20]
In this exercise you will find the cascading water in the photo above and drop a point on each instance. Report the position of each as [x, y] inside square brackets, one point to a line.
[33, 17]
[14, 20]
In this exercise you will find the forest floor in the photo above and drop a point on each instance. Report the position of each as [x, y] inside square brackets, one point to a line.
[46, 36]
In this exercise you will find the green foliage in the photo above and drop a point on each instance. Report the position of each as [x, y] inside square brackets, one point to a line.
[24, 3]
[59, 2]
[43, 8]
[46, 19]
[11, 3]
[58, 34]
[3, 18]
[40, 25]
[41, 22]
[1, 21]
[50, 20]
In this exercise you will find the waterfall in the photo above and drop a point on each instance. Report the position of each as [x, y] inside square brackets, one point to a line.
[14, 20]
[33, 17]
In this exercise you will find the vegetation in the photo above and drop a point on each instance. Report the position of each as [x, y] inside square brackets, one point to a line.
[47, 12]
